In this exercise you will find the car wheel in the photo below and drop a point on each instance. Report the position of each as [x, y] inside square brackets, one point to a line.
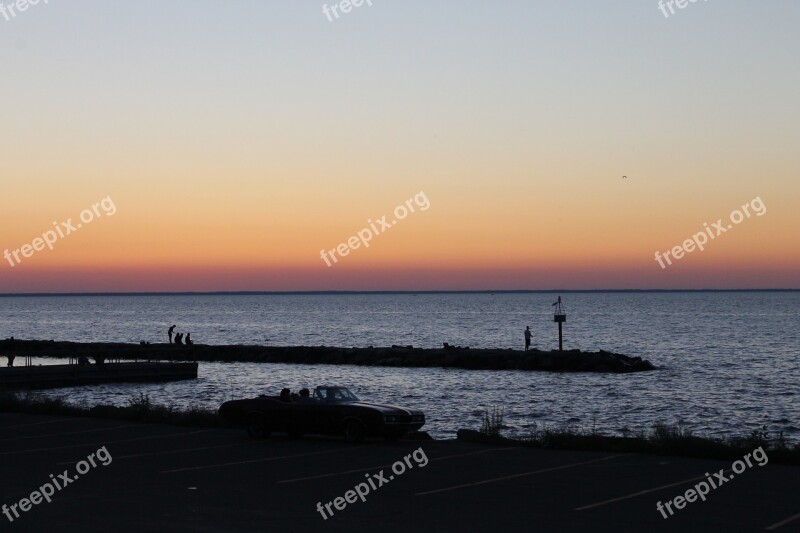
[257, 426]
[354, 431]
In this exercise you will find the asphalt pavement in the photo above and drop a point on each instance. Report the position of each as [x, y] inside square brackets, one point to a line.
[164, 478]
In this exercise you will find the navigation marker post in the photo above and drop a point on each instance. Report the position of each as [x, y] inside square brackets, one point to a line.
[560, 317]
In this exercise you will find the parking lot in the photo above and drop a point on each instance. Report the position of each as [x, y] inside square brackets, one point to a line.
[166, 478]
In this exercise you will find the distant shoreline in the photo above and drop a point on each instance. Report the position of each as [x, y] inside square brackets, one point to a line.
[367, 293]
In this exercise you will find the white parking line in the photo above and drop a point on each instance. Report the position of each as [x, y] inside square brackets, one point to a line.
[504, 449]
[640, 493]
[783, 522]
[515, 476]
[66, 434]
[333, 474]
[169, 452]
[18, 452]
[37, 423]
[251, 461]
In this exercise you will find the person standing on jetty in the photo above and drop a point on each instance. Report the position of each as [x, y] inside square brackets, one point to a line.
[527, 337]
[10, 354]
[170, 331]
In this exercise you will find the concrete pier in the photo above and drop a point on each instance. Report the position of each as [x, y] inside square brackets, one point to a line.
[52, 376]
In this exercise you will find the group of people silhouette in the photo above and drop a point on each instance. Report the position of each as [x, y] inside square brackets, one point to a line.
[288, 396]
[179, 338]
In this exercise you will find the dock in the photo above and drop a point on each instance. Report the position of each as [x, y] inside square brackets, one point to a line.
[54, 376]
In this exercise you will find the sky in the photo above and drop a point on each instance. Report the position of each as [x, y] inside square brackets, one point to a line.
[557, 145]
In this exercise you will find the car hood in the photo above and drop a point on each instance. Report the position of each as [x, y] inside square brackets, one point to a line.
[388, 409]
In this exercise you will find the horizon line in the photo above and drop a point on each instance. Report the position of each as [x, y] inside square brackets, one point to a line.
[377, 292]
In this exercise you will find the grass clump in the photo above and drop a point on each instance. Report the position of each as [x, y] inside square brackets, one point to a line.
[665, 439]
[492, 422]
[139, 409]
[660, 439]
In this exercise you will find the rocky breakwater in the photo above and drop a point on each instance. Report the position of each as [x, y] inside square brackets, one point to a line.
[395, 356]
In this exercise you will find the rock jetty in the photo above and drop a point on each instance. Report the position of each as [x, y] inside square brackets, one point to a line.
[396, 356]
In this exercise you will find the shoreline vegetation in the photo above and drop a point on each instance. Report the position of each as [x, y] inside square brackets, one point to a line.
[139, 409]
[661, 439]
[395, 356]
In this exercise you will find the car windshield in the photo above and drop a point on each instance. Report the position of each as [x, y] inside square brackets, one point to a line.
[335, 394]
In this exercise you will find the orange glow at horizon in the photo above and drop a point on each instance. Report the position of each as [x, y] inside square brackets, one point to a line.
[232, 163]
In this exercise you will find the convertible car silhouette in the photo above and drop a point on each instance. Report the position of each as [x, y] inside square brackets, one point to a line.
[328, 411]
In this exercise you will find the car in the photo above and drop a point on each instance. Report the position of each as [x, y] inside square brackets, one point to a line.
[330, 410]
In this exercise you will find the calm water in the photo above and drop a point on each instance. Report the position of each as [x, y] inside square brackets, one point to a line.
[729, 360]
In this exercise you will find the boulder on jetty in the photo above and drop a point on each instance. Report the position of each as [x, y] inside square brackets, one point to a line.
[396, 356]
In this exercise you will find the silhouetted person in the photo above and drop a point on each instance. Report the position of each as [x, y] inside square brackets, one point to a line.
[527, 338]
[189, 339]
[170, 331]
[304, 396]
[179, 338]
[11, 356]
[286, 395]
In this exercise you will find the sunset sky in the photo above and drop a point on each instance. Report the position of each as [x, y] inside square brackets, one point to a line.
[239, 139]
